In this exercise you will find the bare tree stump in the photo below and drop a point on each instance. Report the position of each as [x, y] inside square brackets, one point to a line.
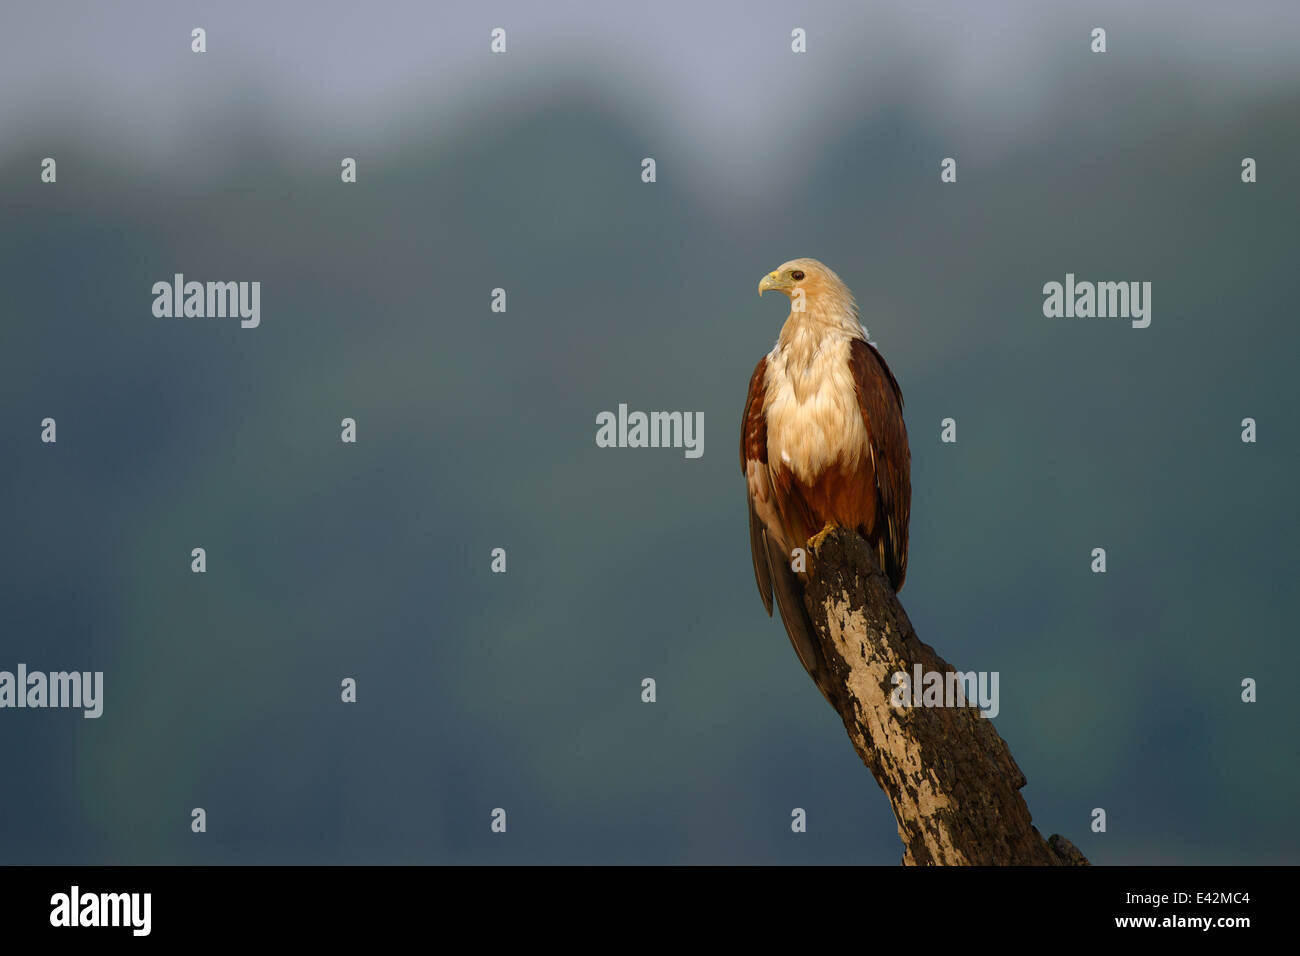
[950, 778]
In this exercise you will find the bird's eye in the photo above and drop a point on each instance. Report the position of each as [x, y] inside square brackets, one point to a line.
[796, 275]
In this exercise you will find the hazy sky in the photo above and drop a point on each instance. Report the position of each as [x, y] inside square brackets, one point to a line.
[721, 72]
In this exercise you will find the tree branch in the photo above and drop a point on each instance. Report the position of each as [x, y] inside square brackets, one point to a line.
[953, 784]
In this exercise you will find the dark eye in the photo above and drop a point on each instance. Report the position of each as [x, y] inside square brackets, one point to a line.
[796, 275]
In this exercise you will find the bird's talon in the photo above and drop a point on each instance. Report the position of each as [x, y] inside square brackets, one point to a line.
[815, 542]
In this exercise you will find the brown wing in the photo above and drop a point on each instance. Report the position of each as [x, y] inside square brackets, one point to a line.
[772, 569]
[753, 447]
[881, 402]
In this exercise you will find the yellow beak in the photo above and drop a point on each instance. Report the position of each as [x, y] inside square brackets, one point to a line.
[770, 281]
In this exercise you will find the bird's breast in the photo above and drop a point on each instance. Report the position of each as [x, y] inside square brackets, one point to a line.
[814, 420]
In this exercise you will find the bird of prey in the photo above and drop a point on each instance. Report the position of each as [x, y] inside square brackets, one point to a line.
[822, 444]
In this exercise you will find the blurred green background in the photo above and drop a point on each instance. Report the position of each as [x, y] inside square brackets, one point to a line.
[476, 430]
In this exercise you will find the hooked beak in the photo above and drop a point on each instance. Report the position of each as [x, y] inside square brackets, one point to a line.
[772, 281]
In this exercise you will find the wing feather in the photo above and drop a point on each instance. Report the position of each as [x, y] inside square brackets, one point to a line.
[753, 448]
[758, 551]
[881, 403]
[789, 592]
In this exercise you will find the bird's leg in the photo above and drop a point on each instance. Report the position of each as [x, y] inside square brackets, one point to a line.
[816, 540]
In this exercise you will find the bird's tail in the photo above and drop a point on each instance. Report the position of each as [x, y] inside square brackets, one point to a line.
[788, 589]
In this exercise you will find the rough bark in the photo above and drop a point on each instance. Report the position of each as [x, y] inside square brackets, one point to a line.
[953, 784]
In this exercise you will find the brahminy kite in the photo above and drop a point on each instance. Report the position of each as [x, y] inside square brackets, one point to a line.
[822, 444]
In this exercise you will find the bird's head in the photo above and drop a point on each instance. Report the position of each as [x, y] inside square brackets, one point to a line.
[806, 274]
[816, 294]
